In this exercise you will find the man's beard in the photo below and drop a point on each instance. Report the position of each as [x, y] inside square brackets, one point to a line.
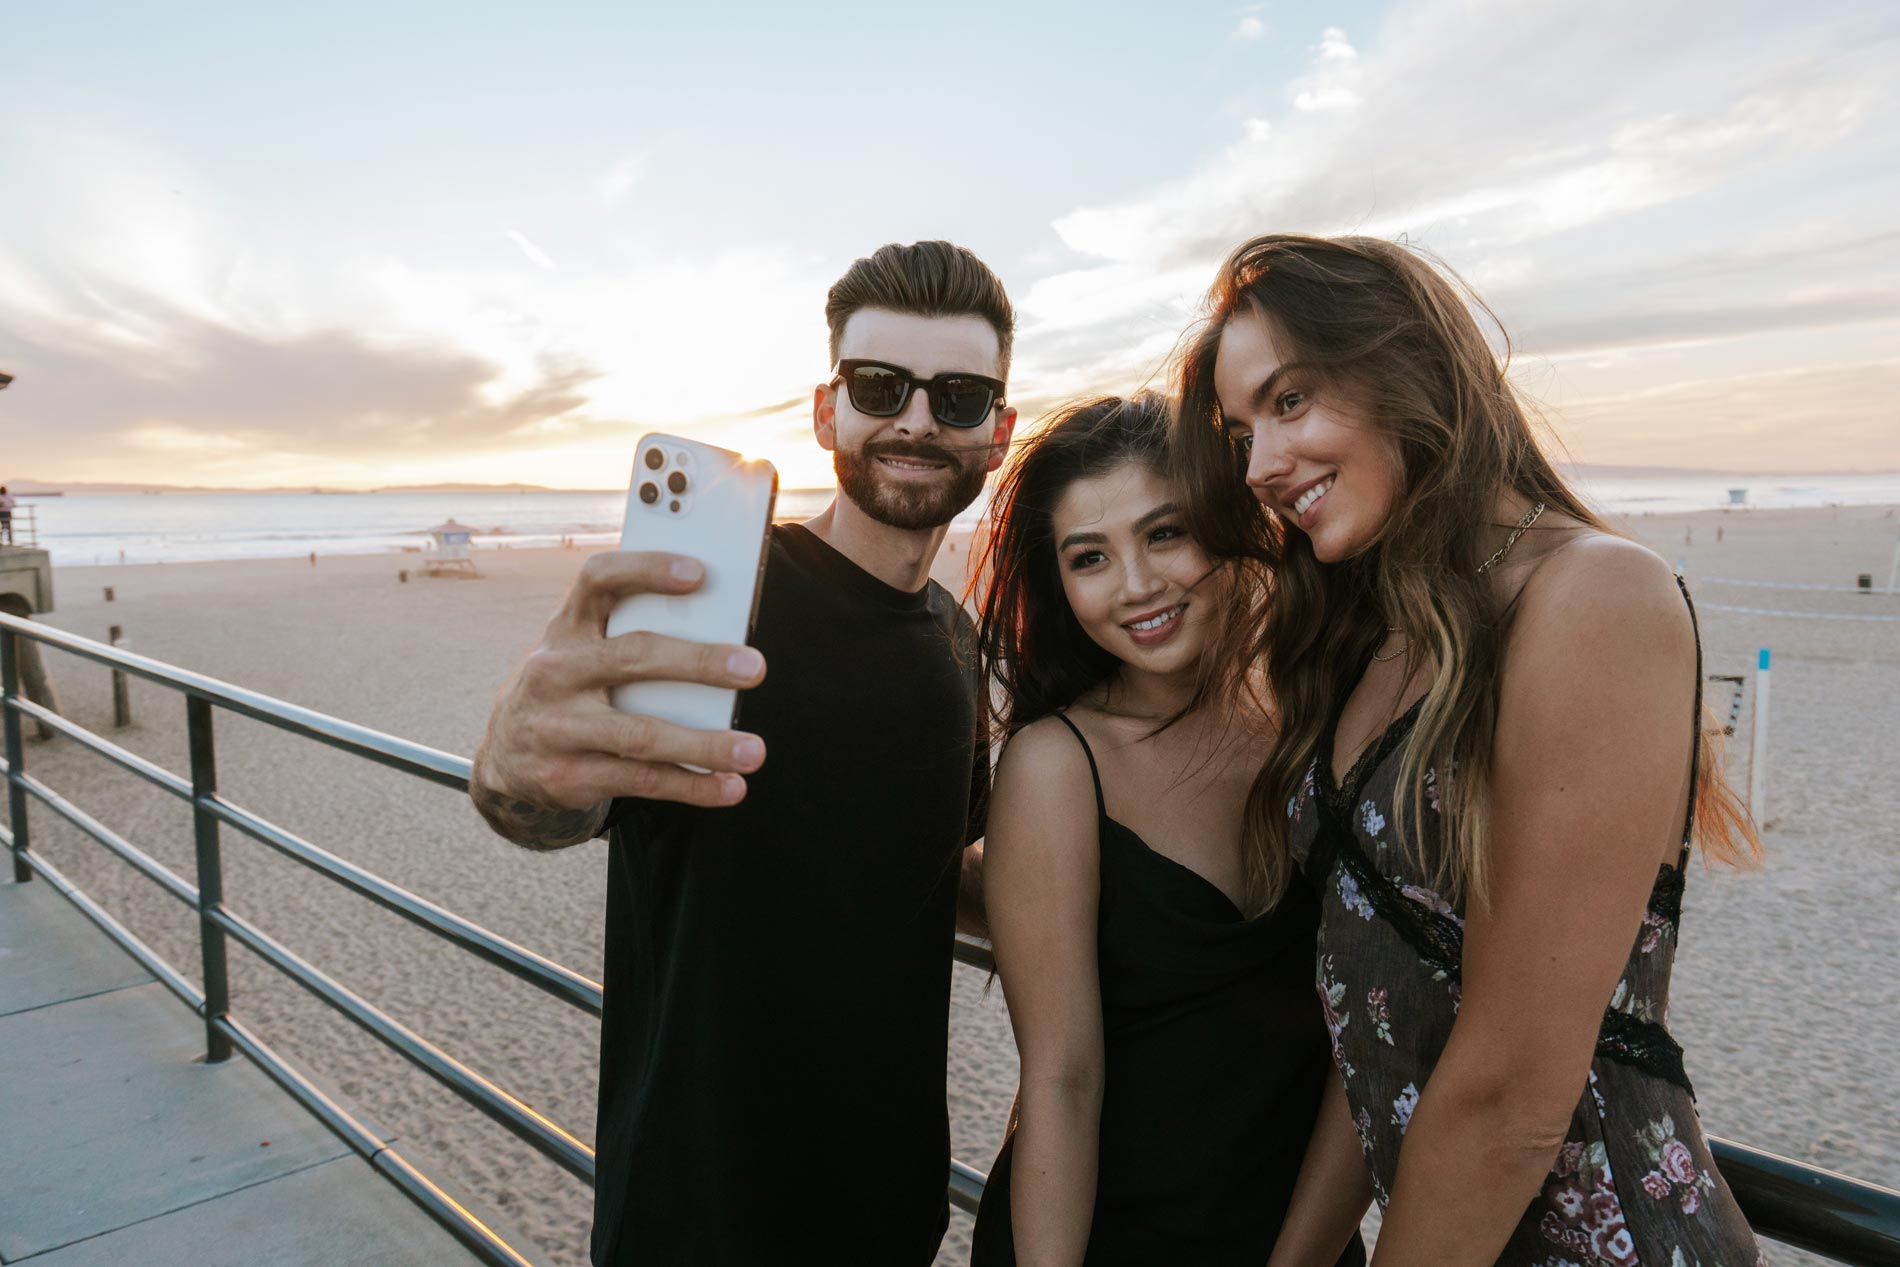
[898, 504]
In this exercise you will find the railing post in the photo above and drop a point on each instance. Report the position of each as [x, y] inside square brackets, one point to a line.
[16, 752]
[204, 784]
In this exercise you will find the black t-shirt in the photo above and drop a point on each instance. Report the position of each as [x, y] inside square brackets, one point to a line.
[778, 972]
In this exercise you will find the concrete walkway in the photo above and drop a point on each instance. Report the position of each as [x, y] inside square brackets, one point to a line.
[120, 1145]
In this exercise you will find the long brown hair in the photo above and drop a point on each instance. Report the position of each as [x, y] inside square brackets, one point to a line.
[1377, 321]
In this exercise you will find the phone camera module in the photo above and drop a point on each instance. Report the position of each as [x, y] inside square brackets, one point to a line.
[676, 482]
[655, 459]
[649, 493]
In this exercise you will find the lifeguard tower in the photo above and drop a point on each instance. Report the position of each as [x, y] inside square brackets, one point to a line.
[447, 553]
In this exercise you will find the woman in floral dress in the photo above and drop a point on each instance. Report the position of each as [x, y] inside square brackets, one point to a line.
[1489, 770]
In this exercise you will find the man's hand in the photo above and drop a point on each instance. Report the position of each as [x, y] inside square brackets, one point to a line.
[556, 752]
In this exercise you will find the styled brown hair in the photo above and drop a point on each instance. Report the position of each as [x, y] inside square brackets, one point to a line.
[926, 279]
[1378, 323]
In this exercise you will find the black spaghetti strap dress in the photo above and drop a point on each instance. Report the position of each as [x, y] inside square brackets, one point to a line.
[1216, 1055]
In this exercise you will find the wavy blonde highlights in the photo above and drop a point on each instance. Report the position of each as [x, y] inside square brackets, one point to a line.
[1377, 321]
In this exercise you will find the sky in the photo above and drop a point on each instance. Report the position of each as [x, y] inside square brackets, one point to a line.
[355, 245]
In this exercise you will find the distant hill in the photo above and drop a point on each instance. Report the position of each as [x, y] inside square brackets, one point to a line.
[475, 488]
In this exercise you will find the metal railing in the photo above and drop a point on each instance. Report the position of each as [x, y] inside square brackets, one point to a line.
[1843, 1218]
[23, 529]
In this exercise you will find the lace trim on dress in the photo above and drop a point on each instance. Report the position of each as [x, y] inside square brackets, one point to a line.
[1438, 940]
[1342, 795]
[1665, 900]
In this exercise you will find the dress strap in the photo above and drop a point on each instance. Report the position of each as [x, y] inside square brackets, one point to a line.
[1695, 749]
[1101, 806]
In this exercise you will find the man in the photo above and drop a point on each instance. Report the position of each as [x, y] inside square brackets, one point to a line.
[779, 927]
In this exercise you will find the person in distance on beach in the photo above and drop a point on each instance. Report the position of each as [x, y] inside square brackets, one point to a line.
[780, 928]
[1490, 769]
[1157, 973]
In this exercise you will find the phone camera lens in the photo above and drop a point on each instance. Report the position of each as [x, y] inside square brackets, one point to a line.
[649, 493]
[676, 482]
[655, 459]
[676, 508]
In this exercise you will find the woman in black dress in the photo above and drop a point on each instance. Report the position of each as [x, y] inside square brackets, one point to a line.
[1173, 1054]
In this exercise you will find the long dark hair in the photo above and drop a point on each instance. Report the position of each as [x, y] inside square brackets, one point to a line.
[1037, 657]
[1377, 322]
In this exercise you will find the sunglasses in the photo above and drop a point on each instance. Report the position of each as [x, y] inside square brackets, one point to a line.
[881, 390]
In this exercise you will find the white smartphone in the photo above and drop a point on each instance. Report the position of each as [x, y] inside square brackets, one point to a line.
[715, 506]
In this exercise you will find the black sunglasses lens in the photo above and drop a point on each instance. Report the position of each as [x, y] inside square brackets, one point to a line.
[877, 391]
[963, 402]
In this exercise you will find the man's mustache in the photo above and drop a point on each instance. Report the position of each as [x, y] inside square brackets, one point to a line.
[918, 452]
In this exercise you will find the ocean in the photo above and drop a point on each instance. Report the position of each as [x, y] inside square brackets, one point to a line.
[86, 529]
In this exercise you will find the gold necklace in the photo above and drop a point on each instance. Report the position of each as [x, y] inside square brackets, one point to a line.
[1523, 526]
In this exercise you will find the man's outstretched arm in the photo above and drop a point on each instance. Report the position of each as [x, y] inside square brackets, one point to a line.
[556, 753]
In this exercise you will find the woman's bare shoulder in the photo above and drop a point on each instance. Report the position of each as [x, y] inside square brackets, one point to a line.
[1044, 764]
[1602, 600]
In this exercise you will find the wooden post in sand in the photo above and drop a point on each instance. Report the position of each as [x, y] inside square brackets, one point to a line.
[1758, 747]
[121, 696]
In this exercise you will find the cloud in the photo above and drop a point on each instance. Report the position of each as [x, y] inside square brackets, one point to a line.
[1817, 418]
[170, 337]
[534, 253]
[1640, 191]
[1332, 80]
[1606, 191]
[324, 391]
[623, 176]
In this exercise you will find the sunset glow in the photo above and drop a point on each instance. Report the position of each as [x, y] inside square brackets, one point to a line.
[396, 251]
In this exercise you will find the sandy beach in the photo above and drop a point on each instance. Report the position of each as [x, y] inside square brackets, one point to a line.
[1785, 998]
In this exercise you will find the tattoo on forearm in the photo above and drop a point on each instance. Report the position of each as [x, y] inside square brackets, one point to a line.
[537, 827]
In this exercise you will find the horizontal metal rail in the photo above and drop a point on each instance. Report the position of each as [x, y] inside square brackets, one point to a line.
[462, 1223]
[25, 528]
[1843, 1218]
[424, 762]
[531, 1127]
[966, 1186]
[147, 958]
[563, 983]
[975, 952]
[150, 771]
[119, 846]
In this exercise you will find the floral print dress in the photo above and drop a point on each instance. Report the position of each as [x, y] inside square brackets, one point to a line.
[1633, 1182]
